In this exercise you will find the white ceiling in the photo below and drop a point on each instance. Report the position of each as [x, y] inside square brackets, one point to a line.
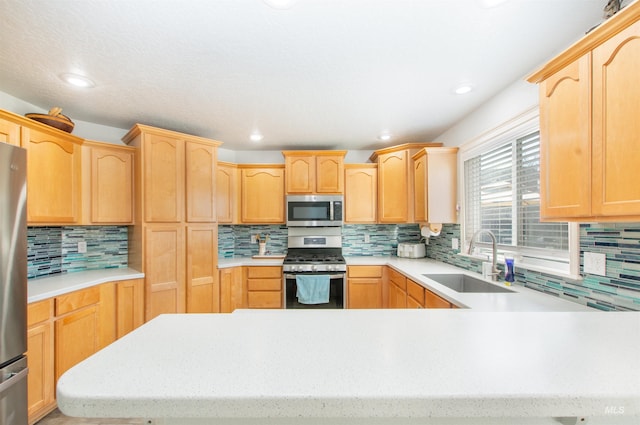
[329, 74]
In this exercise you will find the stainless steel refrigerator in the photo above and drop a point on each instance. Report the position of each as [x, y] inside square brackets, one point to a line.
[13, 285]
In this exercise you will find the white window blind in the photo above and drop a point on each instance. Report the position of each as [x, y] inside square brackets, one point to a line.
[502, 194]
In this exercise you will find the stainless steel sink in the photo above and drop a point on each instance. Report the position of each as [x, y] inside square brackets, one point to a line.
[464, 283]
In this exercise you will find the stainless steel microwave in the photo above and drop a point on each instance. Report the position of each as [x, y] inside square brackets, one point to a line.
[314, 210]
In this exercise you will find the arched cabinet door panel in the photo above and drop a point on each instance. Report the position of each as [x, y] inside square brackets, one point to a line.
[616, 147]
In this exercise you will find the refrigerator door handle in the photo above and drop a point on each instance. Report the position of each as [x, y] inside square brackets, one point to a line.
[12, 378]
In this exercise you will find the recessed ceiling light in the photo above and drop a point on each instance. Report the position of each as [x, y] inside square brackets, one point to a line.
[385, 137]
[77, 80]
[463, 88]
[256, 137]
[280, 4]
[487, 4]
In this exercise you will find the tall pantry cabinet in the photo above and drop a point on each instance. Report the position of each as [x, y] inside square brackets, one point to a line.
[174, 241]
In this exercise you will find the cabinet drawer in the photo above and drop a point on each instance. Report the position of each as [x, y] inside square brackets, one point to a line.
[264, 284]
[267, 271]
[434, 301]
[397, 278]
[415, 291]
[39, 312]
[264, 299]
[75, 300]
[365, 271]
[411, 303]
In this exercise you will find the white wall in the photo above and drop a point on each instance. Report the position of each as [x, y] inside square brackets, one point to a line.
[511, 102]
[103, 133]
[275, 157]
[86, 130]
[506, 105]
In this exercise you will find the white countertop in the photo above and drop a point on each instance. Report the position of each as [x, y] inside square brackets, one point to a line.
[522, 299]
[401, 366]
[59, 284]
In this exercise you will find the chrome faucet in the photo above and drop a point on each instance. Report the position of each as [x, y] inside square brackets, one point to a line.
[494, 245]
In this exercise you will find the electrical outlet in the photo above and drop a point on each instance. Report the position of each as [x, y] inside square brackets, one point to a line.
[595, 263]
[254, 239]
[82, 247]
[455, 243]
[367, 238]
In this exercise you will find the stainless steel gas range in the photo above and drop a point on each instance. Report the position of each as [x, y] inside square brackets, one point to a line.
[314, 269]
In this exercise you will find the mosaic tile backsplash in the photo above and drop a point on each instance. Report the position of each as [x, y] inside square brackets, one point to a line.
[618, 290]
[235, 241]
[383, 239]
[53, 250]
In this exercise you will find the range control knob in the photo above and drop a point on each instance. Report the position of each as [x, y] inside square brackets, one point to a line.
[314, 268]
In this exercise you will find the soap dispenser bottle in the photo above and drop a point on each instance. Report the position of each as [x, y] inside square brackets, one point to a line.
[509, 276]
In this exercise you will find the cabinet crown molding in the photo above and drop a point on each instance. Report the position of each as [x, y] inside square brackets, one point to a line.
[24, 121]
[405, 146]
[592, 39]
[314, 153]
[138, 129]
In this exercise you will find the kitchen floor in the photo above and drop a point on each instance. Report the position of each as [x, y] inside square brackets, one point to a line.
[57, 418]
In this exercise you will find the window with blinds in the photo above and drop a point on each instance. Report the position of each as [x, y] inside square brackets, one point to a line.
[502, 194]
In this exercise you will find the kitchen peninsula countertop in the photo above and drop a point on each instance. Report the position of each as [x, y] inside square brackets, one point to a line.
[59, 284]
[440, 367]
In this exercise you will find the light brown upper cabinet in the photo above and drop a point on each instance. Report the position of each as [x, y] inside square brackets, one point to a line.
[395, 182]
[228, 193]
[589, 103]
[360, 193]
[435, 185]
[309, 172]
[9, 132]
[262, 193]
[163, 170]
[107, 183]
[200, 173]
[54, 167]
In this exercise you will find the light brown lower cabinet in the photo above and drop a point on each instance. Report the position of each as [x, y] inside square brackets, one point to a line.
[231, 289]
[415, 295]
[130, 306]
[432, 300]
[403, 292]
[40, 382]
[396, 288]
[264, 286]
[202, 284]
[364, 287]
[165, 270]
[64, 330]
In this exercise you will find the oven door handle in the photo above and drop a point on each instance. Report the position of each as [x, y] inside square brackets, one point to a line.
[331, 276]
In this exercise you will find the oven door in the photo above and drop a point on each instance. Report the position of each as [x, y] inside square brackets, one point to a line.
[337, 293]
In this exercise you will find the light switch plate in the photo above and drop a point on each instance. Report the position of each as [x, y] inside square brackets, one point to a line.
[367, 238]
[455, 244]
[82, 247]
[595, 263]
